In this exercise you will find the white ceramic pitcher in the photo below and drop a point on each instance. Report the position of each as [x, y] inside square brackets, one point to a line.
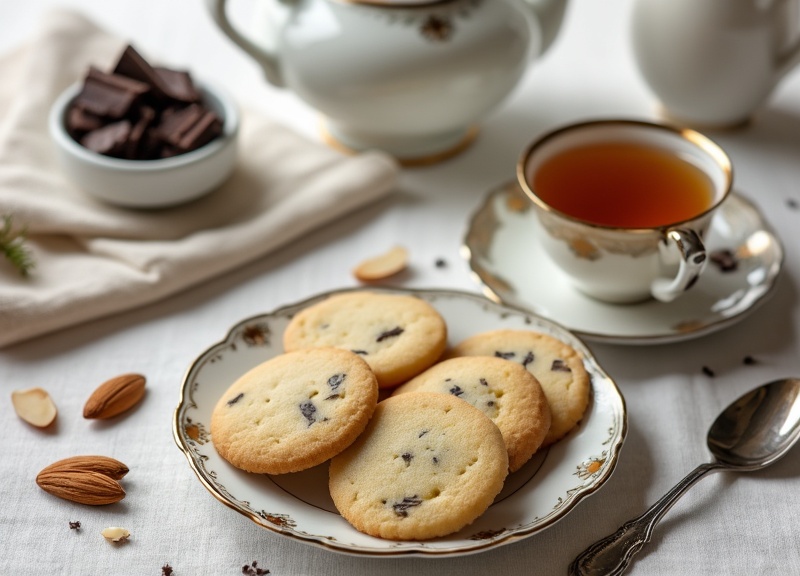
[411, 77]
[714, 62]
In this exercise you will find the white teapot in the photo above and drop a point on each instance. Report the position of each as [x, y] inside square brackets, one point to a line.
[410, 77]
[712, 63]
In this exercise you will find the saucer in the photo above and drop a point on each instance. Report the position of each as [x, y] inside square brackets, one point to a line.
[745, 259]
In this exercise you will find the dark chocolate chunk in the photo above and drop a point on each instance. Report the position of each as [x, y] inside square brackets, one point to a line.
[407, 457]
[308, 410]
[560, 366]
[504, 355]
[235, 399]
[189, 128]
[335, 381]
[708, 372]
[483, 382]
[177, 84]
[109, 95]
[401, 508]
[390, 333]
[80, 121]
[360, 352]
[529, 357]
[422, 433]
[136, 137]
[456, 390]
[110, 140]
[163, 106]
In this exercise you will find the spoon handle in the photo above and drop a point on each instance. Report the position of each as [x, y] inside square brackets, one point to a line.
[612, 555]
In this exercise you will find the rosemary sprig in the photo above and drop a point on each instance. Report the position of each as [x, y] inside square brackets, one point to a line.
[13, 247]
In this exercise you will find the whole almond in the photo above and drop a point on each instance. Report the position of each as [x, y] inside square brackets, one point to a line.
[82, 486]
[115, 396]
[101, 464]
[35, 406]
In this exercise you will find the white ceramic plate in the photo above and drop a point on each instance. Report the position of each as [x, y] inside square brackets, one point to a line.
[505, 258]
[299, 506]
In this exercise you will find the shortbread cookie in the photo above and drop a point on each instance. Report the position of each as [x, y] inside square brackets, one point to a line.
[505, 391]
[399, 336]
[558, 367]
[427, 465]
[294, 411]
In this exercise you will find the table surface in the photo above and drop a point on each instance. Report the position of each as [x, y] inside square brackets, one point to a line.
[728, 524]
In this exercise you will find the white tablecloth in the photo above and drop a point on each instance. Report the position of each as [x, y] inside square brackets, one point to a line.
[727, 524]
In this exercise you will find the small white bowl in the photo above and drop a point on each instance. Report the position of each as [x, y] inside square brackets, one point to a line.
[149, 183]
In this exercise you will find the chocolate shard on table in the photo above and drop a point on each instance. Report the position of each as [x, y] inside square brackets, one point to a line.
[141, 112]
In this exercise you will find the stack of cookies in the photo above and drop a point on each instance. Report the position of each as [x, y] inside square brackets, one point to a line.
[431, 456]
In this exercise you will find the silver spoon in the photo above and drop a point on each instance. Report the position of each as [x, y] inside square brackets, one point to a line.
[750, 434]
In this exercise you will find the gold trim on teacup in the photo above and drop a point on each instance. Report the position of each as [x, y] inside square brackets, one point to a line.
[694, 137]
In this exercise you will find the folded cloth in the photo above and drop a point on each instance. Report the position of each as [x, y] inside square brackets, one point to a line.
[94, 259]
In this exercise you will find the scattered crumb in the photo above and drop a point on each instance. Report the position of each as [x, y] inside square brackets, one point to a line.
[708, 372]
[749, 361]
[166, 570]
[253, 570]
[76, 525]
[441, 263]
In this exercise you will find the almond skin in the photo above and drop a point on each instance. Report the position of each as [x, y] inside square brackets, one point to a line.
[101, 464]
[82, 486]
[115, 396]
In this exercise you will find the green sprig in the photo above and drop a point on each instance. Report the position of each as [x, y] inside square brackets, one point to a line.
[13, 247]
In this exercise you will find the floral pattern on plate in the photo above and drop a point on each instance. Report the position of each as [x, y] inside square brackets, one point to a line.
[298, 505]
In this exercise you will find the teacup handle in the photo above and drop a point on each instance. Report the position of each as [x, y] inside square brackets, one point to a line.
[691, 260]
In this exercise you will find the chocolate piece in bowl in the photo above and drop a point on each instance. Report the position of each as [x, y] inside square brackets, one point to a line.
[109, 95]
[141, 112]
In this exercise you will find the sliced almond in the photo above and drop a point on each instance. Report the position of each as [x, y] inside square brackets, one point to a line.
[115, 534]
[383, 266]
[35, 406]
[82, 486]
[115, 396]
[101, 464]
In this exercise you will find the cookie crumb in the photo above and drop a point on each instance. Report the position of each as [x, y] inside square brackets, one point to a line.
[253, 569]
[440, 263]
[76, 525]
[749, 360]
[166, 570]
[708, 372]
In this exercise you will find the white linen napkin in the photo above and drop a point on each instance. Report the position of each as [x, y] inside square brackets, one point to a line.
[93, 259]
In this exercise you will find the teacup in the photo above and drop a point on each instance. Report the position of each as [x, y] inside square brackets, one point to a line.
[623, 205]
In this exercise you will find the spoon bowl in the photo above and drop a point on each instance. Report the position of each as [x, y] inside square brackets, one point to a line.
[753, 432]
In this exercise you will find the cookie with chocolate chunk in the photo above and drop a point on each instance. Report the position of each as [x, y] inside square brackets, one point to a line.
[399, 336]
[294, 411]
[505, 391]
[557, 366]
[427, 465]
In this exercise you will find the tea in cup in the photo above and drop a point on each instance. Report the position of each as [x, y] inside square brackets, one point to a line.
[623, 205]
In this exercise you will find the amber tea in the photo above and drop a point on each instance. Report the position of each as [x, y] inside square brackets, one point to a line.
[624, 185]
